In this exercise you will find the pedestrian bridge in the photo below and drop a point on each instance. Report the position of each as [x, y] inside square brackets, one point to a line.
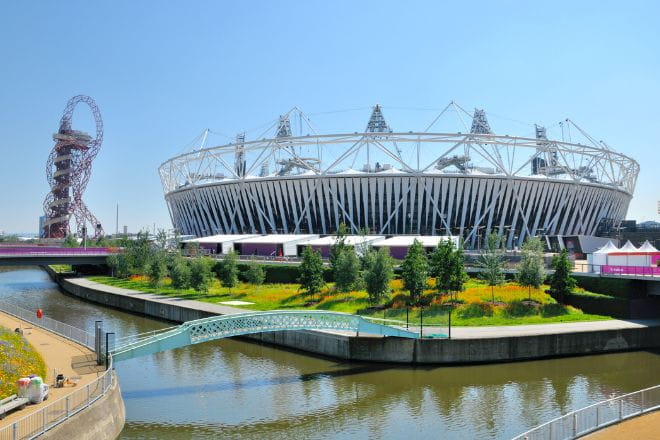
[226, 326]
[45, 255]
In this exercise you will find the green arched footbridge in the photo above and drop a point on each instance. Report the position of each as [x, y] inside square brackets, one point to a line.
[226, 326]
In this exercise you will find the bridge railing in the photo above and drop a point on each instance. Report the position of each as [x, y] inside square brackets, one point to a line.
[596, 416]
[132, 339]
[608, 270]
[36, 250]
[51, 415]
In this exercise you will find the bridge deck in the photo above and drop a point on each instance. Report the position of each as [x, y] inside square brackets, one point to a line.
[45, 255]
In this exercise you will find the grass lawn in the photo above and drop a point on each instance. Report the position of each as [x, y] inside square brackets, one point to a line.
[476, 310]
[17, 359]
[61, 267]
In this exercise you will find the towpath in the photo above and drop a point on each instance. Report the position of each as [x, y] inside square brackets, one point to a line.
[646, 427]
[60, 355]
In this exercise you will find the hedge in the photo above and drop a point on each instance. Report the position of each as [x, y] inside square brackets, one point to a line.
[600, 304]
[622, 288]
[281, 273]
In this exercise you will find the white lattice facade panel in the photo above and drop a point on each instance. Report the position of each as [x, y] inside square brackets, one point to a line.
[402, 204]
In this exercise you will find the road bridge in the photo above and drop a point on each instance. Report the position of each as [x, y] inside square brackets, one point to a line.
[226, 326]
[46, 255]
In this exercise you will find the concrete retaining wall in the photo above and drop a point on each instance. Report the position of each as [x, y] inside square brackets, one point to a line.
[103, 420]
[398, 350]
[459, 351]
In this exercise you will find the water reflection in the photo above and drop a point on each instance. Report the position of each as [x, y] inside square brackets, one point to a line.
[237, 389]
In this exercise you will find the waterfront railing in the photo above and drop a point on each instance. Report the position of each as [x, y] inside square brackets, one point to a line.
[596, 416]
[35, 424]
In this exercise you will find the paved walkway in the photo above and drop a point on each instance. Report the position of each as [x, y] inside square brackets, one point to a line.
[646, 427]
[60, 355]
[541, 329]
[456, 332]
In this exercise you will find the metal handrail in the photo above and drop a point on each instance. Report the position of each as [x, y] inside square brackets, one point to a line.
[596, 416]
[140, 336]
[616, 271]
[33, 425]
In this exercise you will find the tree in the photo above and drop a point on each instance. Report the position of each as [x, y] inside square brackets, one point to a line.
[338, 247]
[161, 239]
[561, 282]
[228, 270]
[138, 252]
[457, 274]
[70, 241]
[491, 262]
[200, 275]
[176, 240]
[102, 241]
[378, 274]
[157, 269]
[530, 270]
[256, 274]
[311, 272]
[414, 271]
[119, 265]
[180, 274]
[347, 267]
[440, 265]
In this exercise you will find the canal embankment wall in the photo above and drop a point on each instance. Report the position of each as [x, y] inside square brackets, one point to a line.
[103, 420]
[377, 349]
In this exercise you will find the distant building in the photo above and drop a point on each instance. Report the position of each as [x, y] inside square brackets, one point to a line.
[43, 233]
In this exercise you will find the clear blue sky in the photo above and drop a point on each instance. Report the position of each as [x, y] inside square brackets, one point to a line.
[163, 71]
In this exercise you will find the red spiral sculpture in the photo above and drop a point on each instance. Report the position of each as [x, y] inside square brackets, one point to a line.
[68, 170]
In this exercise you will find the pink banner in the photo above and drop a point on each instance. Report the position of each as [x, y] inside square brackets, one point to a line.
[631, 270]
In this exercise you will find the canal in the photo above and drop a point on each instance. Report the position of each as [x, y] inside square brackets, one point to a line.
[238, 389]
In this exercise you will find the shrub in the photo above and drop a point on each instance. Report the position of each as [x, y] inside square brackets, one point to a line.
[180, 274]
[311, 272]
[599, 304]
[346, 270]
[530, 270]
[518, 309]
[227, 270]
[378, 274]
[414, 271]
[157, 270]
[275, 273]
[255, 274]
[200, 275]
[120, 266]
[475, 310]
[554, 309]
[561, 281]
[399, 301]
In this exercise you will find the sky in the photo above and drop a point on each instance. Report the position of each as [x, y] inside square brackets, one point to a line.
[161, 72]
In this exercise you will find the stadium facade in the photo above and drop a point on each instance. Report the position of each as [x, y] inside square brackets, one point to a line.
[468, 183]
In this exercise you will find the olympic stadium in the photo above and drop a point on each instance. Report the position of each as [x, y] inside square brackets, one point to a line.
[467, 181]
